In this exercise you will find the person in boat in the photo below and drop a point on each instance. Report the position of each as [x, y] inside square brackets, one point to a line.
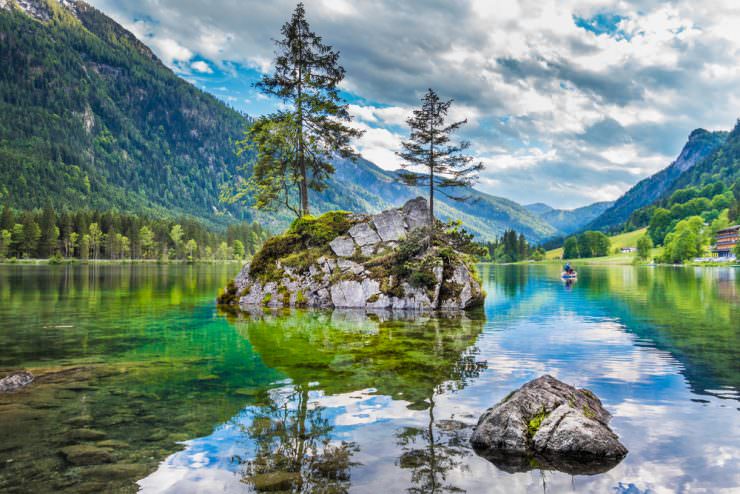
[567, 268]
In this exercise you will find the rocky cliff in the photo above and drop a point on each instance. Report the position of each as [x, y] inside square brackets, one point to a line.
[345, 260]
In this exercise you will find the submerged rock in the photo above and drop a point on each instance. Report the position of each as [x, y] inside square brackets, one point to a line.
[548, 424]
[84, 454]
[15, 381]
[344, 260]
[85, 435]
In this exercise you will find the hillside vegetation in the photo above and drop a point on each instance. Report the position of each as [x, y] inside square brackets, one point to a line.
[701, 143]
[89, 117]
[617, 242]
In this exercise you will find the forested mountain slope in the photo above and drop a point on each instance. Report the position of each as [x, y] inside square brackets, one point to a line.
[701, 144]
[90, 117]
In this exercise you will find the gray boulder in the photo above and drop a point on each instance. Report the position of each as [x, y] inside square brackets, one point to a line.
[415, 213]
[15, 381]
[548, 424]
[343, 246]
[363, 234]
[389, 225]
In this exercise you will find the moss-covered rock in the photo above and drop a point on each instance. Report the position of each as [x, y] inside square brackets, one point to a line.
[549, 424]
[344, 260]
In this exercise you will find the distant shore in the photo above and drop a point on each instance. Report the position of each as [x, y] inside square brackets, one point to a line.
[64, 262]
[616, 261]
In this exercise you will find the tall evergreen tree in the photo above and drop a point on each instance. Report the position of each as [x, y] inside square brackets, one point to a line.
[49, 232]
[31, 235]
[7, 219]
[294, 146]
[430, 148]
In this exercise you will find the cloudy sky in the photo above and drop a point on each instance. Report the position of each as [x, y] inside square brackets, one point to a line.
[568, 102]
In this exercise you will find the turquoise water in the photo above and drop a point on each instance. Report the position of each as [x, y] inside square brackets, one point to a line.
[170, 395]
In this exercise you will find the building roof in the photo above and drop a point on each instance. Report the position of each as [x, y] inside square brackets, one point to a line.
[729, 229]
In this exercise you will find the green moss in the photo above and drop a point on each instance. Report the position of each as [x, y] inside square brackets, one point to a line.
[304, 242]
[284, 294]
[267, 299]
[588, 412]
[300, 299]
[535, 422]
[422, 279]
[301, 260]
[373, 298]
[263, 263]
[317, 232]
[229, 295]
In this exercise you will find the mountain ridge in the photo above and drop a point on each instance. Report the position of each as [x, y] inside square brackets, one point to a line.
[700, 144]
[568, 220]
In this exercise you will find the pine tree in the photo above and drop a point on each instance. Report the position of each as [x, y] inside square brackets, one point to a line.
[31, 235]
[294, 147]
[430, 149]
[49, 232]
[7, 220]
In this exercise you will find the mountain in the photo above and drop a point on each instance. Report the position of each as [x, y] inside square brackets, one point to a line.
[722, 165]
[539, 208]
[568, 220]
[363, 186]
[701, 144]
[90, 117]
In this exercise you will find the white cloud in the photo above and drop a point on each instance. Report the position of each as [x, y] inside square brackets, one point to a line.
[523, 72]
[201, 66]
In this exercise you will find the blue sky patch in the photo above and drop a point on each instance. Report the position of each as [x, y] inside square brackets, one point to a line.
[603, 23]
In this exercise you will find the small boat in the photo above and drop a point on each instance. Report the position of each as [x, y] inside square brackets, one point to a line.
[569, 276]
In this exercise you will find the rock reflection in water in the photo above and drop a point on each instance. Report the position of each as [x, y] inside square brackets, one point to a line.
[408, 356]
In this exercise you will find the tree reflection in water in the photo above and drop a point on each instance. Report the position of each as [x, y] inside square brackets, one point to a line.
[431, 452]
[294, 450]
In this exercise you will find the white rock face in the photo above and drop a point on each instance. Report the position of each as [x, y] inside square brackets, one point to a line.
[390, 225]
[343, 246]
[363, 234]
[340, 282]
[415, 213]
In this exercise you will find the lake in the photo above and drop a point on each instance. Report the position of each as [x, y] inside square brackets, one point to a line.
[140, 374]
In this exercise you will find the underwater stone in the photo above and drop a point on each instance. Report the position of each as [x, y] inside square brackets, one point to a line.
[15, 381]
[85, 435]
[83, 454]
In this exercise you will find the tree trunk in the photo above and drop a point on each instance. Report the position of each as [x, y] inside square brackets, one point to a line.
[431, 178]
[301, 151]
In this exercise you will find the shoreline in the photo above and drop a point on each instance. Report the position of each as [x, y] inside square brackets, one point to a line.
[78, 262]
[596, 261]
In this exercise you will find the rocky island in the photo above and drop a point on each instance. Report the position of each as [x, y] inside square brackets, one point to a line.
[348, 260]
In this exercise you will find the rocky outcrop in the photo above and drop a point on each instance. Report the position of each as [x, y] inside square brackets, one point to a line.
[343, 260]
[15, 381]
[548, 424]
